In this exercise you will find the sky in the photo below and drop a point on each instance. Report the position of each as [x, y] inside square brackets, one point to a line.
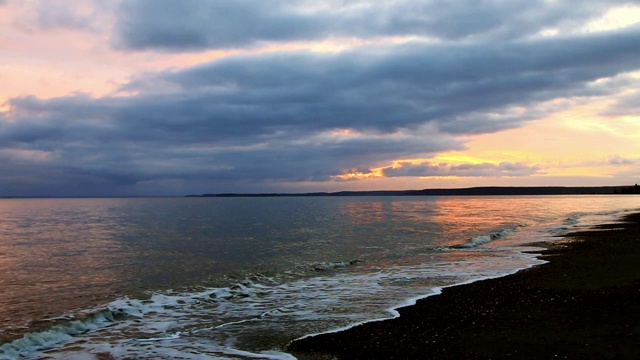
[164, 97]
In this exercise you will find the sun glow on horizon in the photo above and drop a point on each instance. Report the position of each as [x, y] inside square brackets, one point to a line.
[577, 141]
[5, 106]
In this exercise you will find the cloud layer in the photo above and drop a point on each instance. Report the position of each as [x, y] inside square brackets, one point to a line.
[192, 24]
[246, 122]
[466, 170]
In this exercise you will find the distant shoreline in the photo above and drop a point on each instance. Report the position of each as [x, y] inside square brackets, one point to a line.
[472, 191]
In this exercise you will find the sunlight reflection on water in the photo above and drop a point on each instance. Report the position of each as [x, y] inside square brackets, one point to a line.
[58, 256]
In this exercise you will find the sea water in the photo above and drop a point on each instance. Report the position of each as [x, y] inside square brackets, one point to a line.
[239, 278]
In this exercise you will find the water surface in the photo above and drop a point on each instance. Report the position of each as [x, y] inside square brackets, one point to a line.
[240, 277]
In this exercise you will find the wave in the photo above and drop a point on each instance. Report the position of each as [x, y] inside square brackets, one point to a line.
[578, 220]
[334, 265]
[570, 222]
[247, 290]
[149, 316]
[57, 334]
[484, 239]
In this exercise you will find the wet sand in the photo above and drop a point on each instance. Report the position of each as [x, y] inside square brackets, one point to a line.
[583, 304]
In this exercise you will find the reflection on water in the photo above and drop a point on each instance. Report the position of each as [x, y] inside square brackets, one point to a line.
[56, 253]
[61, 255]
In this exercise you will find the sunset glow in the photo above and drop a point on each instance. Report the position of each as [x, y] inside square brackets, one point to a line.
[103, 98]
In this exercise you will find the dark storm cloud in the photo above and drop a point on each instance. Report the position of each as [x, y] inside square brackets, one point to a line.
[394, 87]
[192, 24]
[78, 143]
[465, 170]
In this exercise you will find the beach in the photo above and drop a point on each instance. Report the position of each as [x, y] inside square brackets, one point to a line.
[188, 278]
[583, 304]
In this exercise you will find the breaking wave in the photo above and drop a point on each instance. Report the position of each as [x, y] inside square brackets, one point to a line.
[243, 297]
[484, 239]
[60, 333]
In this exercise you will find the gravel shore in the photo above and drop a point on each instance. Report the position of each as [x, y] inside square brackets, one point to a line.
[583, 304]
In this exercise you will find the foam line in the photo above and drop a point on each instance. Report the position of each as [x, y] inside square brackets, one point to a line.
[412, 301]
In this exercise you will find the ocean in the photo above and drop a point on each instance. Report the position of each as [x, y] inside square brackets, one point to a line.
[238, 278]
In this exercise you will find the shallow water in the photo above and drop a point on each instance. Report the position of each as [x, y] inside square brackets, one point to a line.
[240, 277]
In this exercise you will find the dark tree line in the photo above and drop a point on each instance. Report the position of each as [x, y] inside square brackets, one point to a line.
[631, 190]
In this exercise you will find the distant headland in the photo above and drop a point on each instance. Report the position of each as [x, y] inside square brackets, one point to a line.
[472, 191]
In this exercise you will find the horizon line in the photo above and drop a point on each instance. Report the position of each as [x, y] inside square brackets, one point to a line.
[475, 191]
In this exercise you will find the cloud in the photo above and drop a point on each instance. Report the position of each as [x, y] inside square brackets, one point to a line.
[626, 105]
[195, 25]
[246, 122]
[48, 15]
[459, 89]
[619, 160]
[127, 141]
[463, 170]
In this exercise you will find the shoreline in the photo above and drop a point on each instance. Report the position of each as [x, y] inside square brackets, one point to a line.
[583, 303]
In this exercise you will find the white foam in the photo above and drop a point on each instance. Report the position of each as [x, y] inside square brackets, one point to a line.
[484, 239]
[213, 320]
[55, 335]
[393, 311]
[334, 265]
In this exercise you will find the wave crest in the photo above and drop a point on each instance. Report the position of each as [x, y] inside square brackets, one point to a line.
[484, 239]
